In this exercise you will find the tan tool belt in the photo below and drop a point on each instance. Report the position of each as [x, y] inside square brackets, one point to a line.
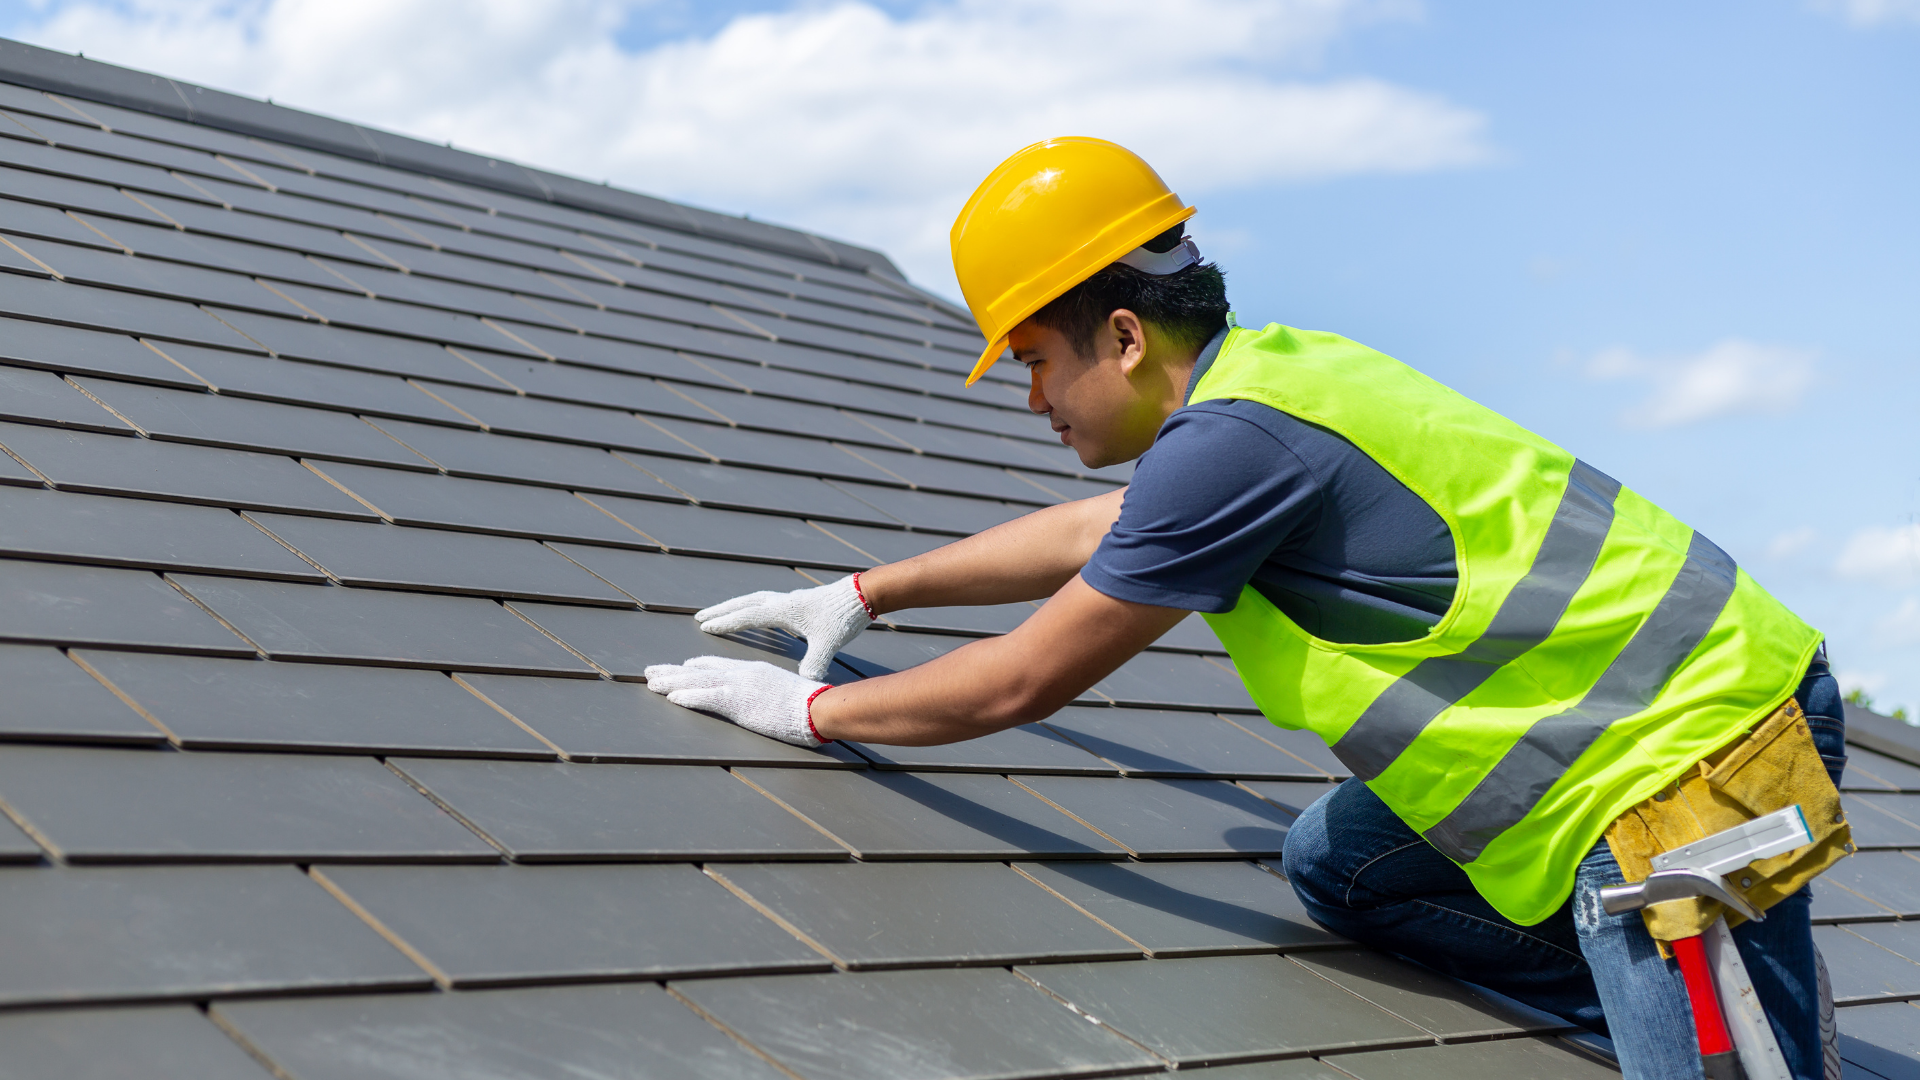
[1770, 768]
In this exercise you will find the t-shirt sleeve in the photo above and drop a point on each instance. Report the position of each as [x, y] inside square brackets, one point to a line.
[1214, 498]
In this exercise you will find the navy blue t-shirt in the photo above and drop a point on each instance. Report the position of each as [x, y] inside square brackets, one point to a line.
[1236, 493]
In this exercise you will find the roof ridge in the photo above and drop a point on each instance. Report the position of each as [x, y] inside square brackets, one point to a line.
[91, 80]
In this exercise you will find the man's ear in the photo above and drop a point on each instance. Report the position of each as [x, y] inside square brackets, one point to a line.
[1129, 336]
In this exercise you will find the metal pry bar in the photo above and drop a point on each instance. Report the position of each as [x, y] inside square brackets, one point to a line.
[1679, 883]
[1732, 849]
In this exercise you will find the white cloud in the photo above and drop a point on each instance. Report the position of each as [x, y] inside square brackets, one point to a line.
[1871, 12]
[1792, 542]
[1901, 626]
[838, 116]
[1888, 557]
[1731, 377]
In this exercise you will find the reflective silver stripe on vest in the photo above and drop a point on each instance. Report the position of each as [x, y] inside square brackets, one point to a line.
[1669, 635]
[1526, 617]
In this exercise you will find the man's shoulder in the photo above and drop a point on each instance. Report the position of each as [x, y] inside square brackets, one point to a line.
[1242, 420]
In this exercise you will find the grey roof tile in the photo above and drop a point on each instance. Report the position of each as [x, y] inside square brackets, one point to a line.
[989, 619]
[34, 220]
[1191, 633]
[1027, 749]
[298, 382]
[758, 490]
[885, 545]
[970, 1024]
[217, 704]
[393, 317]
[335, 624]
[50, 698]
[1170, 680]
[41, 397]
[1899, 938]
[883, 915]
[106, 530]
[681, 583]
[1875, 823]
[64, 192]
[439, 560]
[88, 307]
[1170, 818]
[240, 424]
[239, 224]
[162, 242]
[1888, 878]
[1292, 796]
[618, 813]
[177, 933]
[549, 380]
[763, 413]
[1890, 773]
[767, 450]
[97, 805]
[337, 346]
[953, 477]
[514, 414]
[470, 925]
[604, 721]
[1188, 908]
[547, 1033]
[107, 464]
[625, 643]
[91, 605]
[1299, 742]
[1835, 903]
[892, 815]
[1219, 1009]
[15, 845]
[108, 1044]
[1427, 999]
[1153, 742]
[1881, 1038]
[407, 498]
[1546, 1058]
[709, 530]
[14, 473]
[88, 266]
[489, 456]
[1862, 970]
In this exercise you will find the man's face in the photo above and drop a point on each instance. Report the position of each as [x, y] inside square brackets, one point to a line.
[1095, 403]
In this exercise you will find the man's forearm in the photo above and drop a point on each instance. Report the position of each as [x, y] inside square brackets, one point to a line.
[1077, 639]
[1028, 558]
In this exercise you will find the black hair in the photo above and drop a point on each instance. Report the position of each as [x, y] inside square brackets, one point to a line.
[1188, 306]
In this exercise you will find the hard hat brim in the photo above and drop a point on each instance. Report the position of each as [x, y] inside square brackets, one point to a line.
[987, 359]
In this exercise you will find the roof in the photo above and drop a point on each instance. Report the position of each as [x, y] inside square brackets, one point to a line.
[349, 484]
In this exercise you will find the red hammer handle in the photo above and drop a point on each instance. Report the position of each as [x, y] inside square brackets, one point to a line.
[1708, 1023]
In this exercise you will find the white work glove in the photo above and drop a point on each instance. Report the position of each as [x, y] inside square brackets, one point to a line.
[764, 699]
[827, 616]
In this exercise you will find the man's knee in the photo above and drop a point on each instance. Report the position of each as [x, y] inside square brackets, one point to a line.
[1305, 857]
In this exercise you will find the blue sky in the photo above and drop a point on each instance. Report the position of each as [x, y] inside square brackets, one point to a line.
[1680, 239]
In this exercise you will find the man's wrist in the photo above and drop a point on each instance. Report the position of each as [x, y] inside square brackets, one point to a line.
[865, 604]
[807, 715]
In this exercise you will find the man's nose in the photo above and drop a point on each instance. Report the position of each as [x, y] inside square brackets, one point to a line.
[1036, 400]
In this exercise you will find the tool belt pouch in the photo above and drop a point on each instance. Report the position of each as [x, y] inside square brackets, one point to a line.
[1772, 767]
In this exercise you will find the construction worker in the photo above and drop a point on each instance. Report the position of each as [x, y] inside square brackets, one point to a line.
[1538, 678]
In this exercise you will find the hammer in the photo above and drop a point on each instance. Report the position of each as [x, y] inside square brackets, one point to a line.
[1749, 1051]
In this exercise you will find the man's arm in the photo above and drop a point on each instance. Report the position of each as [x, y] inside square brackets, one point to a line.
[1076, 639]
[1028, 558]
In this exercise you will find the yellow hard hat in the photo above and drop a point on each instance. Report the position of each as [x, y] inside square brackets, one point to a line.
[1049, 218]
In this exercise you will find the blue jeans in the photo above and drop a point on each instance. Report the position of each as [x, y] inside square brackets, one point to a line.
[1363, 873]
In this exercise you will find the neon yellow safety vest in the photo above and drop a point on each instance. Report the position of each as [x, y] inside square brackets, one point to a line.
[1596, 647]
